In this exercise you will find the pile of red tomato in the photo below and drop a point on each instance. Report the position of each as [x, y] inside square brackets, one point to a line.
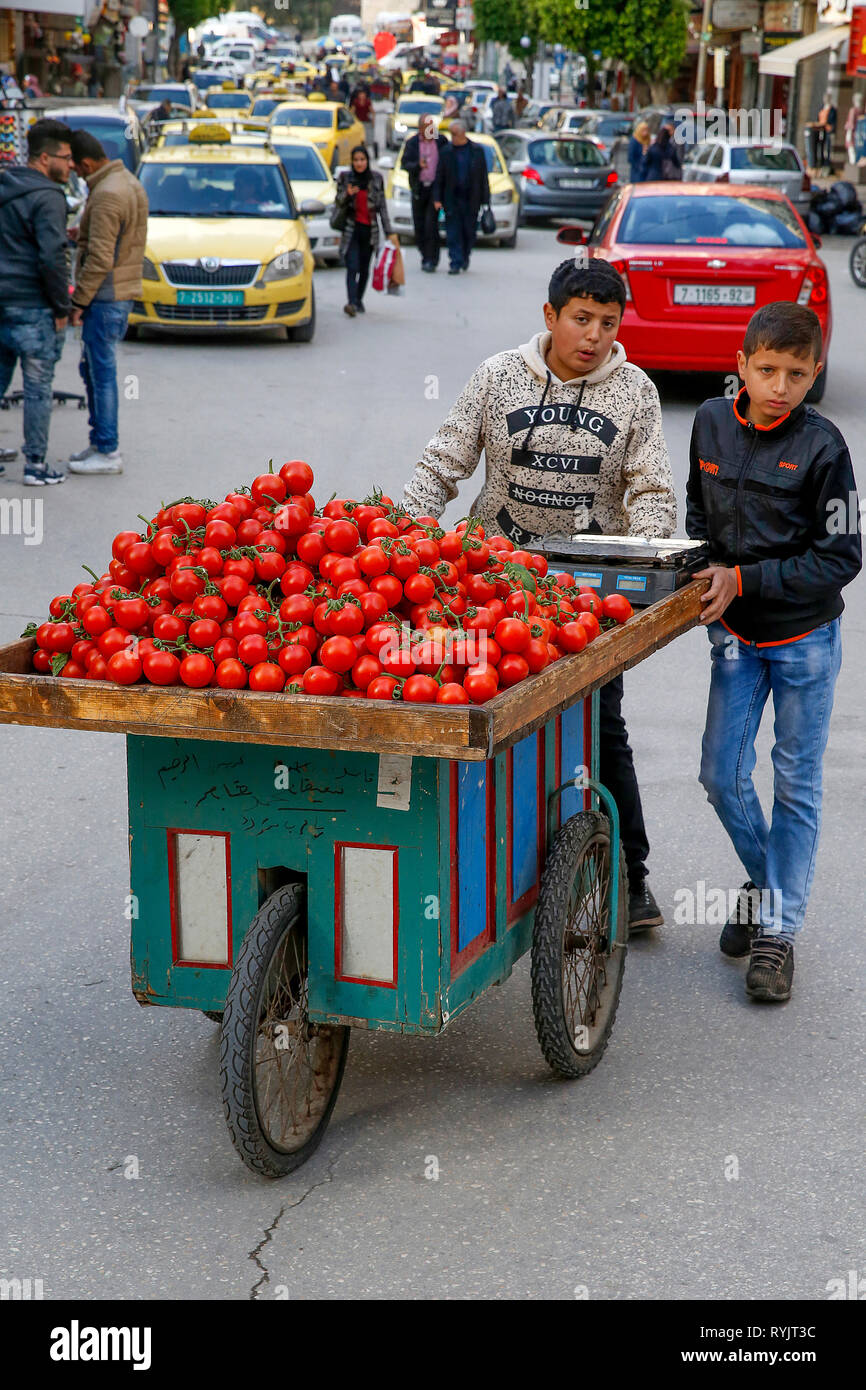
[264, 591]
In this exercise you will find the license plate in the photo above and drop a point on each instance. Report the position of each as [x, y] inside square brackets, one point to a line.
[714, 294]
[577, 183]
[204, 298]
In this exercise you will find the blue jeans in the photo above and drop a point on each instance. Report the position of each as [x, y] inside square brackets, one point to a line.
[103, 326]
[29, 334]
[779, 858]
[460, 226]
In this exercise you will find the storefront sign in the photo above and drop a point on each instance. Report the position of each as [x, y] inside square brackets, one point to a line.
[857, 43]
[783, 17]
[736, 14]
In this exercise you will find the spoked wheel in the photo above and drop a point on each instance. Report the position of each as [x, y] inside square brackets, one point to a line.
[576, 975]
[280, 1074]
[857, 263]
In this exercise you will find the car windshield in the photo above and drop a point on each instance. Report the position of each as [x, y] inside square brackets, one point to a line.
[764, 157]
[567, 152]
[111, 135]
[228, 101]
[491, 156]
[301, 162]
[419, 108]
[304, 116]
[607, 126]
[216, 190]
[179, 96]
[263, 106]
[709, 221]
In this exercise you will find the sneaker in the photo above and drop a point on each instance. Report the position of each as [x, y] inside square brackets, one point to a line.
[454, 270]
[739, 930]
[38, 475]
[350, 310]
[359, 309]
[8, 456]
[771, 969]
[86, 453]
[97, 463]
[643, 910]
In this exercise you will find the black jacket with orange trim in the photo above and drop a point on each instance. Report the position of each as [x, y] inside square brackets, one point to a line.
[779, 503]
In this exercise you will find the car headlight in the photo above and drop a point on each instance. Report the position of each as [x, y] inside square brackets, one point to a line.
[148, 270]
[501, 197]
[283, 267]
[402, 195]
[400, 128]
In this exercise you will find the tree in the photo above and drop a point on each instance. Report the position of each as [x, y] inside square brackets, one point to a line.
[188, 14]
[648, 35]
[507, 22]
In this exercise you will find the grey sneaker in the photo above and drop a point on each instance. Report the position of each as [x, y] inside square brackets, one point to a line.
[97, 463]
[86, 453]
[39, 475]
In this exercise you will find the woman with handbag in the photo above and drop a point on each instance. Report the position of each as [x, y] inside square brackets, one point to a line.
[359, 208]
[662, 159]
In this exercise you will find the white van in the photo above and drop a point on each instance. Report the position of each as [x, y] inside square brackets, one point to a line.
[346, 29]
[242, 52]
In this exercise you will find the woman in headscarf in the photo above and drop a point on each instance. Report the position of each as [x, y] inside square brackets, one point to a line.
[662, 159]
[637, 148]
[362, 192]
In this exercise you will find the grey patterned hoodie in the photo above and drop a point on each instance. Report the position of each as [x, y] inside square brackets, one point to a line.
[561, 456]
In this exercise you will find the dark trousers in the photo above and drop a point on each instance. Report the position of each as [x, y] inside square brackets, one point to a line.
[460, 224]
[358, 255]
[426, 220]
[617, 774]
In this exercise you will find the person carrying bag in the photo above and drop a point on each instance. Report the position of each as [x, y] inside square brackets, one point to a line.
[361, 207]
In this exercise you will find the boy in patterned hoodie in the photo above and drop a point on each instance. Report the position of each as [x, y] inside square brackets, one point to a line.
[572, 437]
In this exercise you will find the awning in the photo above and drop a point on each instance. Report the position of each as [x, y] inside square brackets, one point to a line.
[782, 62]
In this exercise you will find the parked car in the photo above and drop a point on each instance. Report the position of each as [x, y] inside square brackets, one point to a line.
[698, 260]
[610, 130]
[119, 132]
[767, 162]
[568, 119]
[558, 175]
[534, 112]
[144, 96]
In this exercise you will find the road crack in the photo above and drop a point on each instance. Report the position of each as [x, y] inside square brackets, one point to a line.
[269, 1230]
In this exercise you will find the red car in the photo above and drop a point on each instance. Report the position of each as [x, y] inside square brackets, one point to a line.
[698, 260]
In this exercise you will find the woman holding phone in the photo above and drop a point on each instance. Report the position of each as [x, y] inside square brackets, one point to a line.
[361, 195]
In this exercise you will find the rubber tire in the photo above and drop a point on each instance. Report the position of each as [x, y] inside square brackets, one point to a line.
[282, 910]
[556, 880]
[305, 332]
[816, 393]
[509, 242]
[858, 247]
[131, 334]
[212, 1015]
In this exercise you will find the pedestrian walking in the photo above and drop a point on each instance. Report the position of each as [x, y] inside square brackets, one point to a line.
[502, 115]
[826, 131]
[34, 283]
[362, 105]
[852, 118]
[638, 145]
[111, 242]
[569, 429]
[768, 478]
[421, 155]
[396, 85]
[662, 160]
[462, 189]
[361, 199]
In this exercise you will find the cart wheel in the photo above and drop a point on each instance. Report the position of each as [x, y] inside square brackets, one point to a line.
[213, 1015]
[576, 979]
[279, 1074]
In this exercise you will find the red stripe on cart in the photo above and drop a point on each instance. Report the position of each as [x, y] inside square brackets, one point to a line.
[340, 916]
[171, 842]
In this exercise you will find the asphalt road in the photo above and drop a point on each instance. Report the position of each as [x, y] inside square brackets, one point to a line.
[717, 1150]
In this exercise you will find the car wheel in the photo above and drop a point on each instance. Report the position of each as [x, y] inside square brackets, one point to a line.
[509, 241]
[131, 332]
[305, 332]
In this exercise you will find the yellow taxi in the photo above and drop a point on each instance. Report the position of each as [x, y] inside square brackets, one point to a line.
[504, 197]
[227, 244]
[406, 117]
[241, 130]
[329, 125]
[299, 70]
[233, 100]
[310, 178]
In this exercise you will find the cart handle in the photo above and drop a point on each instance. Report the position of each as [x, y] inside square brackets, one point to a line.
[581, 784]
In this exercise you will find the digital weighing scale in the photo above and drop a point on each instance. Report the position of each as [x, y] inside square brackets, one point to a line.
[644, 570]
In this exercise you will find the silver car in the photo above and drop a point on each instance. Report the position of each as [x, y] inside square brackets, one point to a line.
[769, 162]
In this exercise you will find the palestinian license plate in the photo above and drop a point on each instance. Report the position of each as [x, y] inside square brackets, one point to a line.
[577, 183]
[714, 294]
[205, 298]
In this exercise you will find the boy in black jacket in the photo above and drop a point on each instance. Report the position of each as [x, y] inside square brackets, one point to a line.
[771, 488]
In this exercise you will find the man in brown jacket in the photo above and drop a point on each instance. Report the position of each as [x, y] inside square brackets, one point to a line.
[111, 243]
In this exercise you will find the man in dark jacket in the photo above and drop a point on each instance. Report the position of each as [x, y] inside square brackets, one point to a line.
[421, 155]
[34, 283]
[462, 189]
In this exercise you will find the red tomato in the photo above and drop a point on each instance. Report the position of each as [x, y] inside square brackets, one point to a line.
[139, 558]
[480, 683]
[269, 566]
[253, 648]
[185, 585]
[318, 680]
[124, 667]
[572, 637]
[591, 623]
[357, 587]
[373, 607]
[41, 661]
[536, 654]
[590, 603]
[220, 534]
[389, 586]
[268, 487]
[398, 662]
[96, 621]
[224, 650]
[56, 637]
[294, 659]
[512, 635]
[380, 526]
[73, 670]
[420, 690]
[81, 650]
[476, 554]
[618, 607]
[513, 668]
[452, 694]
[311, 547]
[204, 632]
[373, 561]
[338, 654]
[297, 476]
[268, 539]
[419, 588]
[168, 627]
[343, 571]
[520, 602]
[297, 608]
[307, 636]
[197, 670]
[381, 687]
[210, 606]
[348, 620]
[426, 549]
[342, 536]
[160, 668]
[121, 543]
[131, 613]
[246, 623]
[267, 676]
[248, 530]
[291, 520]
[296, 578]
[365, 670]
[116, 639]
[97, 668]
[403, 563]
[231, 674]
